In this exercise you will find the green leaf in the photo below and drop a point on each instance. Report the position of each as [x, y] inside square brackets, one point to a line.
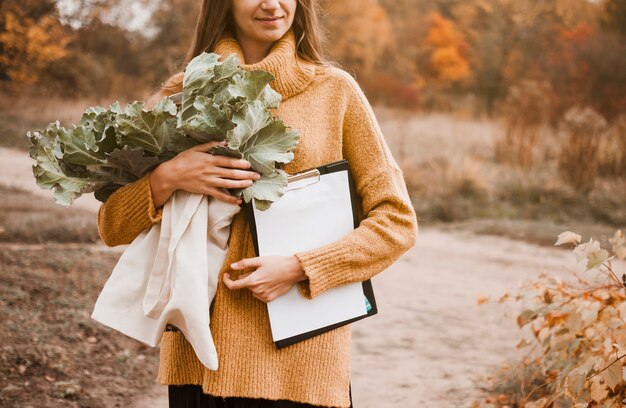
[109, 148]
[249, 120]
[262, 204]
[197, 81]
[267, 188]
[271, 145]
[226, 151]
[271, 98]
[102, 124]
[49, 173]
[105, 192]
[209, 122]
[132, 160]
[79, 146]
[149, 130]
[199, 70]
[165, 105]
[225, 70]
[177, 143]
[252, 84]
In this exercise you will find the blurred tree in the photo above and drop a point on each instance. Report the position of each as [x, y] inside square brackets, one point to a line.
[406, 50]
[397, 80]
[585, 67]
[614, 16]
[102, 60]
[174, 23]
[31, 38]
[505, 37]
[34, 9]
[407, 53]
[448, 63]
[78, 13]
[360, 32]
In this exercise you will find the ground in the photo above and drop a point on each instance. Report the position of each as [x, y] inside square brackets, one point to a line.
[430, 345]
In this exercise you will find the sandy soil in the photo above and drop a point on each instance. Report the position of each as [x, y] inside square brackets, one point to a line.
[16, 171]
[431, 341]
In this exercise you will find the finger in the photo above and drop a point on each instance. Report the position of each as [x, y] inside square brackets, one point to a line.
[247, 263]
[222, 196]
[205, 147]
[228, 183]
[224, 161]
[235, 284]
[236, 174]
[262, 298]
[243, 275]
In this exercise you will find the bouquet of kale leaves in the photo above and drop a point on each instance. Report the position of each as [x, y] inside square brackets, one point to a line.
[109, 148]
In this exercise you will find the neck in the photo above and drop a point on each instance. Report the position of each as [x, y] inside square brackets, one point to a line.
[292, 74]
[253, 51]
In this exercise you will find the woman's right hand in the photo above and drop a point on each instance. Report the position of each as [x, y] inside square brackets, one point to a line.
[197, 171]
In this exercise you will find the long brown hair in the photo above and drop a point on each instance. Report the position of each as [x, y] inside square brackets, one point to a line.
[215, 18]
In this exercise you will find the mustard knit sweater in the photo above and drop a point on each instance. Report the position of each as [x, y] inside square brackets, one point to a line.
[336, 122]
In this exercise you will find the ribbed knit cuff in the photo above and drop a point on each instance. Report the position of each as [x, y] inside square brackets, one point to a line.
[325, 267]
[127, 212]
[154, 214]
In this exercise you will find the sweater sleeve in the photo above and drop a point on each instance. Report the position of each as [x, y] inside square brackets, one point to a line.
[127, 212]
[130, 209]
[389, 225]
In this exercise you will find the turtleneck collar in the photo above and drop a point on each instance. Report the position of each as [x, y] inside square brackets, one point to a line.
[292, 74]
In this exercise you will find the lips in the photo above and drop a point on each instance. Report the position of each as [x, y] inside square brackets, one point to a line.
[269, 19]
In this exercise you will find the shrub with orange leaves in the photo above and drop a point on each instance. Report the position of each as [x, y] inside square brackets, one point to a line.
[29, 46]
[584, 66]
[447, 61]
[390, 90]
[577, 354]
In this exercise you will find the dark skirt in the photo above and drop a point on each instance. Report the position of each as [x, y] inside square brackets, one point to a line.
[191, 396]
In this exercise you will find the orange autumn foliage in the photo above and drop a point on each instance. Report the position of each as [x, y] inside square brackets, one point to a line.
[30, 46]
[362, 31]
[447, 61]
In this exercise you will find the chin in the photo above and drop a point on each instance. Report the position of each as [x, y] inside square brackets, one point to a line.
[271, 35]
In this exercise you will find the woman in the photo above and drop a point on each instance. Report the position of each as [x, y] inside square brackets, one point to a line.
[335, 122]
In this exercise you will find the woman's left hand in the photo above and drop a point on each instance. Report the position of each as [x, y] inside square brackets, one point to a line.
[272, 277]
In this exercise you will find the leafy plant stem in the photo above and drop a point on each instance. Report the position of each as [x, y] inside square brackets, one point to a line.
[607, 366]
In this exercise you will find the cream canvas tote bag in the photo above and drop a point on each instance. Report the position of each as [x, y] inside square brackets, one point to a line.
[169, 274]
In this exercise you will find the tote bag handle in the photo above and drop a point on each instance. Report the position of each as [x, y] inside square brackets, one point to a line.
[160, 281]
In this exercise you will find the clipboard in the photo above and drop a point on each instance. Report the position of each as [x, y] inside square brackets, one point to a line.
[325, 191]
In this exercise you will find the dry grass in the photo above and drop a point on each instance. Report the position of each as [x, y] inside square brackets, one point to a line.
[27, 219]
[53, 354]
[20, 115]
[524, 113]
[579, 157]
[449, 190]
[613, 150]
[514, 385]
[414, 139]
[534, 231]
[454, 175]
[450, 163]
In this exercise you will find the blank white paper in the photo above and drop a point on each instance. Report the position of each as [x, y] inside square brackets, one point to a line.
[307, 218]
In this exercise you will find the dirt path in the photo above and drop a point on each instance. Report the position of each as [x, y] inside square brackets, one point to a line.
[16, 171]
[431, 340]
